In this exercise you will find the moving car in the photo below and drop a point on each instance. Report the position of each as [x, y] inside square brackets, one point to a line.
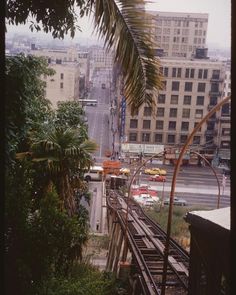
[154, 171]
[177, 202]
[94, 173]
[157, 177]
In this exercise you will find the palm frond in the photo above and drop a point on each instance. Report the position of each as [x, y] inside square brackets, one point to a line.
[125, 28]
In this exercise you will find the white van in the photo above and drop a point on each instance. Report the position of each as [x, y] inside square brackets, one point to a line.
[95, 173]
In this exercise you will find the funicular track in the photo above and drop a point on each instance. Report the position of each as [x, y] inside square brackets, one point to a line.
[146, 241]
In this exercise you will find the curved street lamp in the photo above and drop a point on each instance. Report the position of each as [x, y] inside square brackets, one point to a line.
[217, 179]
[177, 166]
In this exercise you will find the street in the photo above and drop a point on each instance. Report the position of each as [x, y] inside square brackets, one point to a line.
[197, 185]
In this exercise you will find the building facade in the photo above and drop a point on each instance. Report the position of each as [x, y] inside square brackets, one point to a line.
[178, 34]
[64, 85]
[192, 88]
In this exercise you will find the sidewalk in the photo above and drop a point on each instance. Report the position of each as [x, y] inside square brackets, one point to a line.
[167, 188]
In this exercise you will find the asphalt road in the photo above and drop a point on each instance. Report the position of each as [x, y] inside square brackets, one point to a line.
[197, 185]
[98, 118]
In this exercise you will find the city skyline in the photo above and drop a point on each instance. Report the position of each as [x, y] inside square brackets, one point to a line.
[219, 22]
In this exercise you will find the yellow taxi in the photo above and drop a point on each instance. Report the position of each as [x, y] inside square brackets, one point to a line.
[125, 171]
[155, 171]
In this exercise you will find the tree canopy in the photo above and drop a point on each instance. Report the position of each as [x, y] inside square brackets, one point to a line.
[122, 24]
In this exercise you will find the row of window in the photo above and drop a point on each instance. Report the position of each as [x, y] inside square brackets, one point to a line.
[173, 111]
[159, 138]
[160, 125]
[174, 99]
[189, 73]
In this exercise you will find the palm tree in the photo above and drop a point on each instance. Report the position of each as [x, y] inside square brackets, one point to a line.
[63, 153]
[122, 24]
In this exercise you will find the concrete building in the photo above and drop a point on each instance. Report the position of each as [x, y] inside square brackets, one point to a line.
[65, 84]
[192, 88]
[223, 140]
[178, 34]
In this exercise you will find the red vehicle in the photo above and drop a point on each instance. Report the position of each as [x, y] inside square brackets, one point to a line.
[159, 178]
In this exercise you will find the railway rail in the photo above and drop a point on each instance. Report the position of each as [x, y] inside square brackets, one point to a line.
[146, 241]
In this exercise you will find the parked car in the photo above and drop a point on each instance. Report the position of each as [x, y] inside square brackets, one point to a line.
[177, 202]
[154, 171]
[160, 178]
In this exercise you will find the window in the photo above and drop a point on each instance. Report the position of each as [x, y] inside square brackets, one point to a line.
[205, 74]
[215, 74]
[158, 138]
[58, 61]
[146, 124]
[147, 111]
[135, 113]
[145, 137]
[225, 111]
[172, 125]
[179, 72]
[195, 124]
[201, 87]
[161, 98]
[187, 99]
[166, 72]
[183, 138]
[160, 112]
[184, 126]
[187, 71]
[133, 123]
[192, 73]
[173, 112]
[174, 99]
[188, 86]
[200, 101]
[133, 137]
[200, 74]
[62, 75]
[159, 124]
[196, 139]
[175, 86]
[198, 114]
[186, 113]
[225, 131]
[213, 100]
[49, 60]
[174, 72]
[214, 87]
[61, 85]
[225, 144]
[171, 138]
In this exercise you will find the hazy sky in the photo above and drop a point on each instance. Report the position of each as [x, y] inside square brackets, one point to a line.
[219, 19]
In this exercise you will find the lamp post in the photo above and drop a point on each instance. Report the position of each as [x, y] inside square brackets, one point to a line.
[217, 179]
[128, 199]
[177, 166]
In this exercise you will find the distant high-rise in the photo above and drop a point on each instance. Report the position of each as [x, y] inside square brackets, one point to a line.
[179, 34]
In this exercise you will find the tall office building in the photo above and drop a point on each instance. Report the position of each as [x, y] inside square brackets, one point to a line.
[194, 84]
[178, 34]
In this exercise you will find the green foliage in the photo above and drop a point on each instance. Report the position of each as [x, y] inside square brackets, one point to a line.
[26, 107]
[179, 227]
[41, 240]
[55, 16]
[69, 114]
[83, 280]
